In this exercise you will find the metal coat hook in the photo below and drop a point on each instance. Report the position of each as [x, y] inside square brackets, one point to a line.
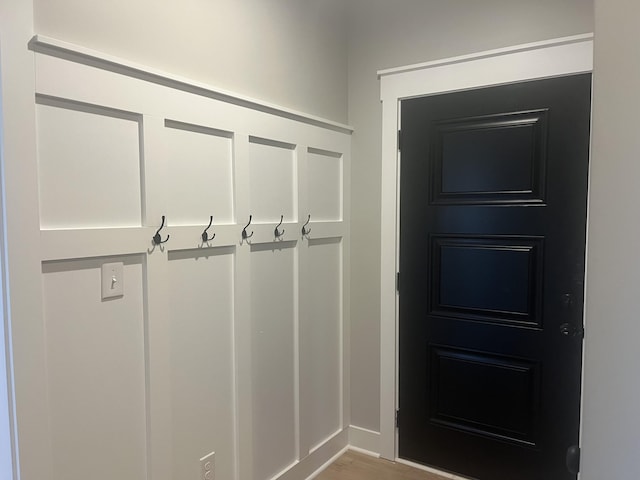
[305, 230]
[157, 239]
[277, 232]
[205, 235]
[244, 230]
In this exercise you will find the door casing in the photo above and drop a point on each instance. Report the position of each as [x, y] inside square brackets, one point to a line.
[552, 58]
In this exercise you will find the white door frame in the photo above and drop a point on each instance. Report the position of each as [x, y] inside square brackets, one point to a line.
[552, 58]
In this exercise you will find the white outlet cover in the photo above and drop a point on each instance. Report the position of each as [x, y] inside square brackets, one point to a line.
[208, 467]
[112, 280]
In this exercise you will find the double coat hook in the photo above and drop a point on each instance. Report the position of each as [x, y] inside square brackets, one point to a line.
[157, 239]
[205, 235]
[244, 230]
[305, 230]
[277, 232]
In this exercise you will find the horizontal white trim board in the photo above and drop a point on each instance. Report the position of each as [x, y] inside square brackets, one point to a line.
[86, 56]
[364, 440]
[315, 462]
[328, 463]
[431, 470]
[488, 53]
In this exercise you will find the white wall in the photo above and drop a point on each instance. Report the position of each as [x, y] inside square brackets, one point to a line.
[612, 391]
[282, 51]
[385, 34]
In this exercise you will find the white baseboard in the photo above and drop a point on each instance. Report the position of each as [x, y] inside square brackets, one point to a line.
[327, 464]
[364, 440]
[354, 438]
[318, 460]
[431, 470]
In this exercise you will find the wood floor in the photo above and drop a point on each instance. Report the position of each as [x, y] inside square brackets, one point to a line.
[356, 466]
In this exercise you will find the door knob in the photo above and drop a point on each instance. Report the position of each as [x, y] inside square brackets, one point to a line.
[569, 330]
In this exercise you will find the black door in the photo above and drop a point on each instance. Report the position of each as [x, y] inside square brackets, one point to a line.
[492, 247]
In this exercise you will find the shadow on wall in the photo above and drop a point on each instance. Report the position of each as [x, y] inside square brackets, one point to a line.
[6, 469]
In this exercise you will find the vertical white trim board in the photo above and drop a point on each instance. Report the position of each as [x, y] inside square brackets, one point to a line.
[553, 58]
[31, 439]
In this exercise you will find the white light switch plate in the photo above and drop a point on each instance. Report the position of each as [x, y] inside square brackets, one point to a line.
[112, 280]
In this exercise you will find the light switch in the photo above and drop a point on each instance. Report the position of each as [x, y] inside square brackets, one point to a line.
[112, 280]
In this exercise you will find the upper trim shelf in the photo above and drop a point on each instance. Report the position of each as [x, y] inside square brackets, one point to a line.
[487, 54]
[85, 56]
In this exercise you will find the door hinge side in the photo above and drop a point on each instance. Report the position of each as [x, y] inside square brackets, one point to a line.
[398, 282]
[399, 140]
[397, 418]
[573, 459]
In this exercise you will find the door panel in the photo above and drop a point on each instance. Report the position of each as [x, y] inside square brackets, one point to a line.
[458, 375]
[468, 168]
[494, 279]
[492, 234]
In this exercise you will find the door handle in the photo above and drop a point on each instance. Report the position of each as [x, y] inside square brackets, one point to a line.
[569, 330]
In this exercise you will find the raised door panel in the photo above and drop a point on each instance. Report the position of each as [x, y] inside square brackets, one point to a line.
[495, 279]
[502, 157]
[505, 392]
[200, 174]
[89, 162]
[273, 352]
[202, 360]
[321, 336]
[96, 371]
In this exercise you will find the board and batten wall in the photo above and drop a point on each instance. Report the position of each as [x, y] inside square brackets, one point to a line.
[230, 345]
[281, 51]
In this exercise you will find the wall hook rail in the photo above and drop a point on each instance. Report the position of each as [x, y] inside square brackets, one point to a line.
[305, 230]
[157, 239]
[205, 235]
[244, 230]
[277, 232]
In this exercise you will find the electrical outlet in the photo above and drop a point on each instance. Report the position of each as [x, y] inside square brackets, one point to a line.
[208, 467]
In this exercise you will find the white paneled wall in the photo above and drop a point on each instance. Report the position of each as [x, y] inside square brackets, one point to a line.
[274, 349]
[96, 370]
[200, 164]
[325, 184]
[229, 345]
[85, 153]
[321, 335]
[272, 180]
[202, 359]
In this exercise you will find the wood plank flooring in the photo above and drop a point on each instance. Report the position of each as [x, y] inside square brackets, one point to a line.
[357, 466]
